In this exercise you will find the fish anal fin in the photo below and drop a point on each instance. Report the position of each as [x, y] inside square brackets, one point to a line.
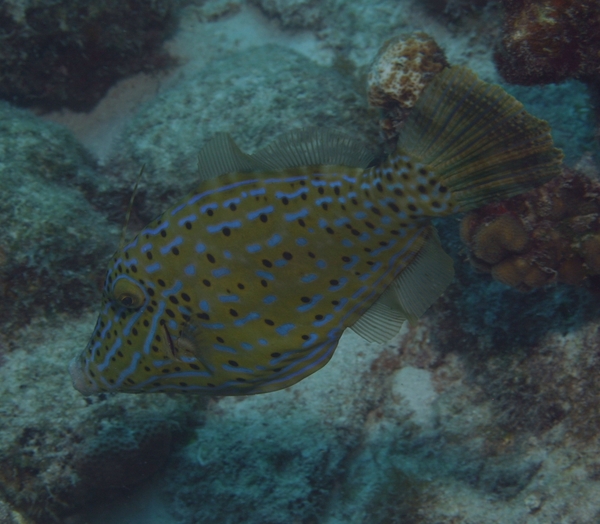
[418, 286]
[313, 146]
[379, 323]
[424, 280]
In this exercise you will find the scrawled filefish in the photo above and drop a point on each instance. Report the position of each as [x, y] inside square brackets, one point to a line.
[247, 284]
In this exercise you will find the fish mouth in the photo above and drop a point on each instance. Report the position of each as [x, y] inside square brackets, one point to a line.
[80, 382]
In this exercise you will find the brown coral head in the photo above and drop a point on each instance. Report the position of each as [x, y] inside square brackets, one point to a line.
[402, 68]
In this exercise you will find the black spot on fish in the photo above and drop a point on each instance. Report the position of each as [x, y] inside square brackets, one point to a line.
[354, 201]
[422, 171]
[301, 222]
[134, 331]
[435, 204]
[269, 322]
[412, 207]
[241, 286]
[334, 282]
[240, 379]
[376, 210]
[318, 317]
[277, 370]
[233, 312]
[170, 313]
[183, 384]
[203, 316]
[161, 282]
[336, 190]
[263, 283]
[324, 206]
[219, 339]
[275, 355]
[355, 232]
[155, 349]
[233, 363]
[303, 196]
[329, 230]
[393, 207]
[226, 231]
[287, 255]
[267, 263]
[175, 250]
[206, 282]
[405, 176]
[335, 302]
[150, 309]
[232, 206]
[163, 233]
[443, 189]
[146, 323]
[305, 337]
[185, 297]
[149, 255]
[422, 189]
[398, 192]
[306, 300]
[211, 385]
[285, 201]
[379, 187]
[120, 353]
[194, 366]
[394, 232]
[209, 212]
[321, 190]
[188, 225]
[263, 218]
[210, 258]
[166, 371]
[173, 299]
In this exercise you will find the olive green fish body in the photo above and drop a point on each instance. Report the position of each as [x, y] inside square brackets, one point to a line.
[247, 284]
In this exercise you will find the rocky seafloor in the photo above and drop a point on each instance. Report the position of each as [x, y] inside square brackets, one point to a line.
[485, 411]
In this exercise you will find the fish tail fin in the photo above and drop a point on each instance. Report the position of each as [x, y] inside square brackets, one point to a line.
[477, 141]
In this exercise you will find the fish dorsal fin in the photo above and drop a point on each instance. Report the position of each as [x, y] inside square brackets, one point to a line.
[417, 287]
[313, 146]
[221, 155]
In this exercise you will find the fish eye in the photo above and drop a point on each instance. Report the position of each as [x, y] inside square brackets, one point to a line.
[128, 294]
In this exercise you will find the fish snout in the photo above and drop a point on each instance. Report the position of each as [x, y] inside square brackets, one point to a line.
[80, 382]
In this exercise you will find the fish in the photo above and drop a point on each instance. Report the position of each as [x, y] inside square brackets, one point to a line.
[246, 284]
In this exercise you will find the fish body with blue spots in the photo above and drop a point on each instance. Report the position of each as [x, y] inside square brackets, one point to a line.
[247, 284]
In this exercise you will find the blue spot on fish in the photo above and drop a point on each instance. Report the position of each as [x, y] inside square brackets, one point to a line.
[153, 268]
[274, 240]
[253, 248]
[284, 329]
[221, 272]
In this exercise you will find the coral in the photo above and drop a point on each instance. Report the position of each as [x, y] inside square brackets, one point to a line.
[67, 53]
[51, 239]
[549, 41]
[547, 235]
[401, 70]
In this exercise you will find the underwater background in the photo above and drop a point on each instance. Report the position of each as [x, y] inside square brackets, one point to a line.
[486, 410]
